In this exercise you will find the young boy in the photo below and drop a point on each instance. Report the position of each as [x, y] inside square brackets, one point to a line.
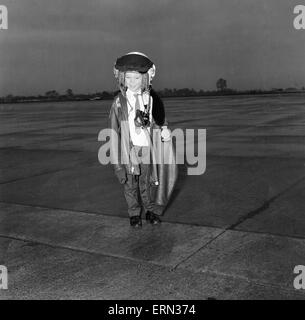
[135, 113]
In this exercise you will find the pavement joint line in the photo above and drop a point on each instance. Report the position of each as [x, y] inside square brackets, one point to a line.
[206, 271]
[264, 206]
[101, 214]
[63, 151]
[225, 229]
[92, 252]
[24, 132]
[61, 209]
[249, 215]
[35, 130]
[43, 173]
[195, 252]
[270, 234]
[39, 174]
[40, 150]
[45, 133]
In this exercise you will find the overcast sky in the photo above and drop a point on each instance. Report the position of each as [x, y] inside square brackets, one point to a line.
[62, 44]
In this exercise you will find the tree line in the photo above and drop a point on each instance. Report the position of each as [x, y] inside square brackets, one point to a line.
[69, 95]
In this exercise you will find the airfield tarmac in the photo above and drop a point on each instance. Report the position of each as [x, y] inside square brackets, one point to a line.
[235, 232]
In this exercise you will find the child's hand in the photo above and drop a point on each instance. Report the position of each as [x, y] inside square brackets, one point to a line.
[121, 175]
[165, 134]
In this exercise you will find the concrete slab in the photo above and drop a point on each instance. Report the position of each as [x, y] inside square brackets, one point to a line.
[82, 188]
[284, 216]
[19, 118]
[230, 188]
[255, 257]
[167, 244]
[255, 148]
[41, 272]
[21, 127]
[19, 164]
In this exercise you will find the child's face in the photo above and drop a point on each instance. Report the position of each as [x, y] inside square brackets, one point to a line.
[133, 80]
